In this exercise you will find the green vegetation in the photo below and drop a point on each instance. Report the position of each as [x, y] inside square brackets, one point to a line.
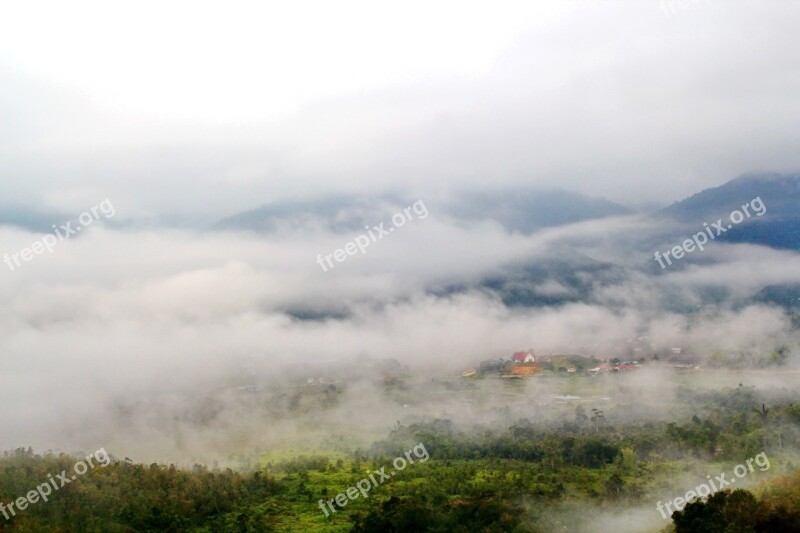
[517, 478]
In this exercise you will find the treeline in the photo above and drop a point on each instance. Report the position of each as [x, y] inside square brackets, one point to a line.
[729, 425]
[439, 495]
[477, 479]
[742, 512]
[125, 497]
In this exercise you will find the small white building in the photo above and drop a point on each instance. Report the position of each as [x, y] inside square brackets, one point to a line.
[523, 357]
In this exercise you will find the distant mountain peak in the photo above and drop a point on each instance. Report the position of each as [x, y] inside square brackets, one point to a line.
[521, 209]
[779, 227]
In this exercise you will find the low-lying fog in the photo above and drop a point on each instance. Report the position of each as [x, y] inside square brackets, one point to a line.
[186, 345]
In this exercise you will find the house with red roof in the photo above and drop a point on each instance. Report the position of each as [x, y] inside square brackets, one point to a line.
[520, 358]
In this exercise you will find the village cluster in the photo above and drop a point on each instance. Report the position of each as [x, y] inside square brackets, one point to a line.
[527, 363]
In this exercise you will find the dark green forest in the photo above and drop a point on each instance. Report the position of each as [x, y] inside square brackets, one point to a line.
[524, 478]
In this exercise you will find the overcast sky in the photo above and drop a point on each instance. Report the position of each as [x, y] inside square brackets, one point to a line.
[189, 108]
[197, 111]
